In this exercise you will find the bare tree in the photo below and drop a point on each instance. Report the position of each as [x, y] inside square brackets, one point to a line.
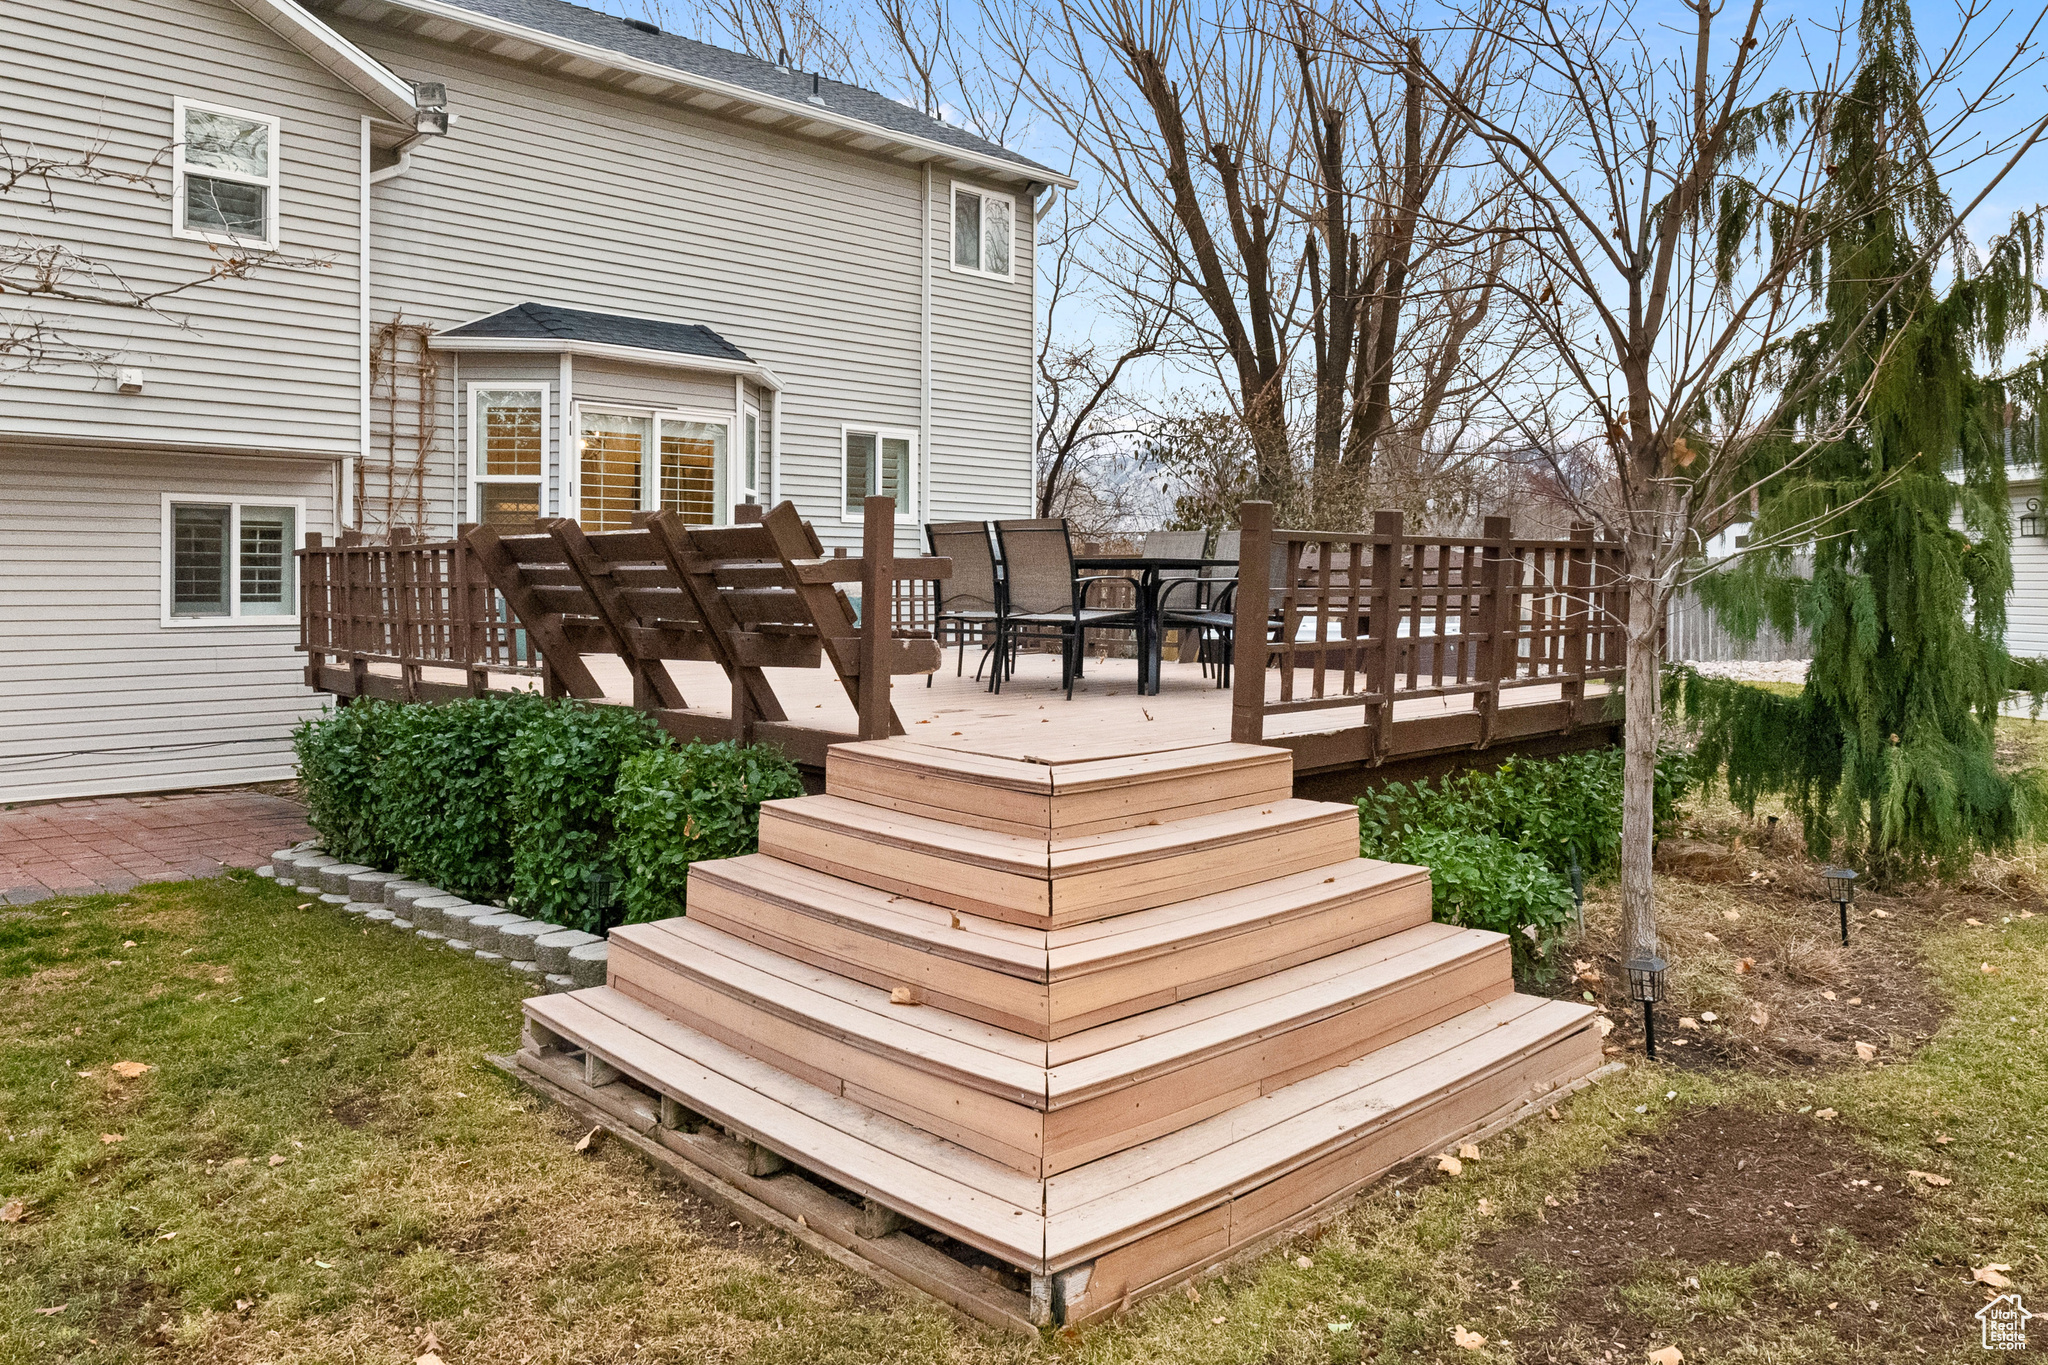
[1284, 199]
[1677, 205]
[55, 298]
[803, 35]
[1085, 416]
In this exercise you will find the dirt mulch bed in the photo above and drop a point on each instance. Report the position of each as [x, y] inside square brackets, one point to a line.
[1777, 1203]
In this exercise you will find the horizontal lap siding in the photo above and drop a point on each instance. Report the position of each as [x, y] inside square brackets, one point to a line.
[2026, 633]
[982, 329]
[564, 191]
[96, 695]
[268, 362]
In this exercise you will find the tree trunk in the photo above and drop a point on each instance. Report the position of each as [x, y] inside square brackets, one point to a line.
[1641, 686]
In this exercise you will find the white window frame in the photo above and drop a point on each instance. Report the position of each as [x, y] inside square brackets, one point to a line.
[477, 478]
[735, 455]
[952, 218]
[179, 228]
[650, 460]
[234, 618]
[904, 517]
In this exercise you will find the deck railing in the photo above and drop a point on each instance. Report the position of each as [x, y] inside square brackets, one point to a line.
[374, 618]
[411, 604]
[1368, 620]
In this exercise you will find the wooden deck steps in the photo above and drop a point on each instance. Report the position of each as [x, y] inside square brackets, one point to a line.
[1047, 983]
[1220, 1183]
[1057, 800]
[1044, 1107]
[1033, 880]
[1107, 1022]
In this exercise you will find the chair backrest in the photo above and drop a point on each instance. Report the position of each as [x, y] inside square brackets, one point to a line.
[1226, 548]
[1038, 565]
[1176, 545]
[973, 584]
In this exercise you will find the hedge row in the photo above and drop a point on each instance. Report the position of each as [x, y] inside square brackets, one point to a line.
[585, 816]
[1500, 845]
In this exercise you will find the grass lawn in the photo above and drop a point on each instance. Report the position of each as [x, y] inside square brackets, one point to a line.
[318, 1165]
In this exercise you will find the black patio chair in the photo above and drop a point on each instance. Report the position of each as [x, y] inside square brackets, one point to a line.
[1043, 596]
[971, 600]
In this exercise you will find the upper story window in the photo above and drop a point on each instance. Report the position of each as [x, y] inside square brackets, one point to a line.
[228, 561]
[508, 449]
[225, 174]
[981, 232]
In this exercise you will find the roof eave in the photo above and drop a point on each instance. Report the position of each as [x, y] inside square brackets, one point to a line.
[354, 67]
[925, 148]
[639, 355]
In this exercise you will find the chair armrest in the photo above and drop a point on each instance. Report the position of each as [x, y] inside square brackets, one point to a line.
[1172, 585]
[1083, 583]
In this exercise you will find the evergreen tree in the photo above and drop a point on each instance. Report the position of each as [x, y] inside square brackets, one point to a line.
[1889, 749]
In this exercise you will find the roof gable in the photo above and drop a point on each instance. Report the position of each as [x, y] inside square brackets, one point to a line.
[354, 67]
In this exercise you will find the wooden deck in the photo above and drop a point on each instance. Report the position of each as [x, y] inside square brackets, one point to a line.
[1032, 717]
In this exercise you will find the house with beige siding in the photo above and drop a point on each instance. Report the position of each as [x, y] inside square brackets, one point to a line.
[382, 264]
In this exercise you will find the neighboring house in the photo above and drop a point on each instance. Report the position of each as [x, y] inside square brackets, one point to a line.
[635, 271]
[2026, 608]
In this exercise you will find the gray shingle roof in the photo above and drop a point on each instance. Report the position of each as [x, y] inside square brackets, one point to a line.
[757, 74]
[546, 322]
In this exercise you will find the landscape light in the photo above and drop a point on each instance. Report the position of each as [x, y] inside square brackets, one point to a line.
[1842, 886]
[1646, 983]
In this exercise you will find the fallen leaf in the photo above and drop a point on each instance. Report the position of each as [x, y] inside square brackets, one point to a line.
[583, 1143]
[1218, 1320]
[1760, 1016]
[13, 1211]
[111, 1138]
[1339, 1326]
[1470, 1341]
[324, 1265]
[1743, 967]
[1689, 1022]
[1304, 1263]
[1974, 923]
[1485, 1208]
[1604, 1024]
[1468, 1151]
[904, 995]
[242, 1305]
[1450, 1165]
[1731, 914]
[1555, 1117]
[165, 1237]
[1194, 1294]
[1710, 936]
[1823, 1113]
[51, 1312]
[131, 1069]
[1709, 1015]
[430, 1358]
[1866, 1052]
[1827, 995]
[1943, 1138]
[1550, 1202]
[1988, 969]
[1882, 914]
[1666, 1355]
[1989, 1274]
[276, 1160]
[128, 943]
[1931, 1178]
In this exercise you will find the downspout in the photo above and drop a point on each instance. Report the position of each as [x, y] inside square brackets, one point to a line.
[924, 334]
[345, 508]
[566, 463]
[1030, 361]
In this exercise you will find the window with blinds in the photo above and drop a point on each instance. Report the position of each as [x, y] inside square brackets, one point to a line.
[229, 560]
[613, 460]
[508, 454]
[879, 462]
[693, 470]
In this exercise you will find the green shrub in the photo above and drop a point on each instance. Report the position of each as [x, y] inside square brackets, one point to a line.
[340, 755]
[1500, 845]
[674, 807]
[559, 769]
[1482, 881]
[443, 785]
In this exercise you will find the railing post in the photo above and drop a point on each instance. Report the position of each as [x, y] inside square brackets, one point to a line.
[1498, 609]
[1382, 655]
[877, 584]
[314, 604]
[1578, 596]
[1248, 632]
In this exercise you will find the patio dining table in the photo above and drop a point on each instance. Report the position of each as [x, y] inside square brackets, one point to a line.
[1150, 571]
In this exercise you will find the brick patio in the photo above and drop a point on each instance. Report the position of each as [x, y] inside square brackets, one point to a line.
[116, 842]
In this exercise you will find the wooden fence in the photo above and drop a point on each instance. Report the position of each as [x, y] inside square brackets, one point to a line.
[1370, 620]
